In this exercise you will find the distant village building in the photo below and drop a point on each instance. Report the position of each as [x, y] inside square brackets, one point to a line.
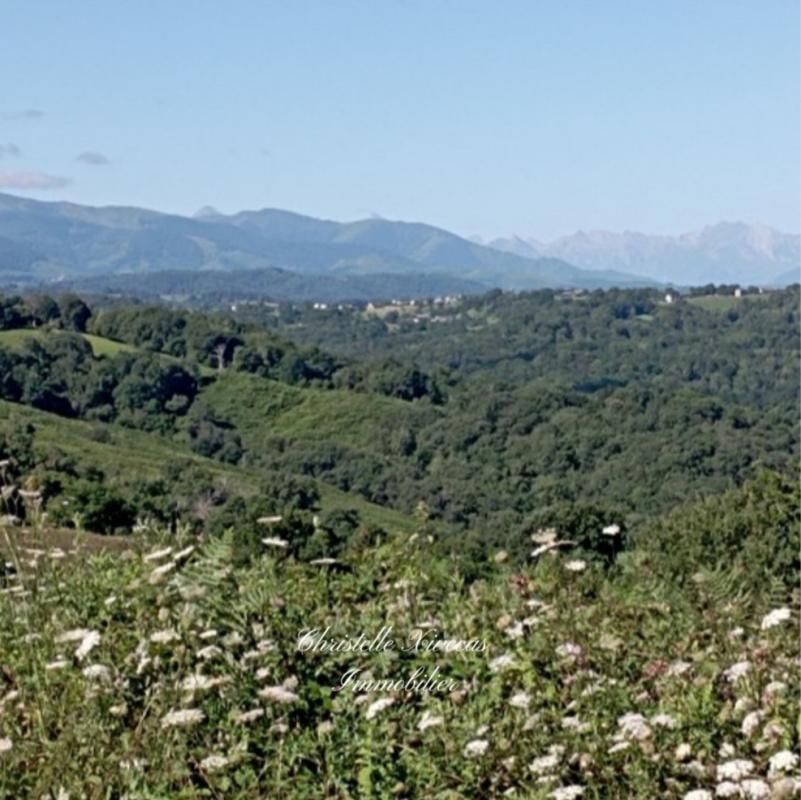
[668, 298]
[738, 292]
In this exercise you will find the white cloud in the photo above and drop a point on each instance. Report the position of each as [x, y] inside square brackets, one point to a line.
[93, 158]
[32, 180]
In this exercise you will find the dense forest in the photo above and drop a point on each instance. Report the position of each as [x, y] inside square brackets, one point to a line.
[490, 417]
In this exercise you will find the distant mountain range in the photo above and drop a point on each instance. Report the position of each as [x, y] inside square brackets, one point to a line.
[74, 243]
[281, 255]
[729, 252]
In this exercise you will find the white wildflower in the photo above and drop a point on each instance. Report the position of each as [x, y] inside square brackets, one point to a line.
[728, 789]
[211, 633]
[74, 635]
[275, 541]
[160, 573]
[698, 794]
[502, 662]
[735, 770]
[774, 688]
[663, 721]
[119, 710]
[634, 726]
[214, 763]
[573, 723]
[619, 747]
[576, 565]
[677, 669]
[59, 663]
[682, 752]
[278, 694]
[736, 633]
[182, 718]
[775, 617]
[514, 631]
[377, 706]
[567, 792]
[200, 683]
[164, 637]
[429, 720]
[737, 671]
[5, 745]
[611, 530]
[783, 761]
[209, 652]
[157, 555]
[751, 723]
[475, 748]
[98, 672]
[520, 700]
[88, 643]
[544, 764]
[233, 639]
[182, 554]
[695, 769]
[755, 789]
[569, 650]
[248, 716]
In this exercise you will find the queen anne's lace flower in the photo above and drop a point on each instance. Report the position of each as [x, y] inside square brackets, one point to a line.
[775, 617]
[783, 761]
[737, 671]
[246, 717]
[429, 720]
[476, 748]
[735, 770]
[182, 718]
[214, 763]
[755, 789]
[88, 643]
[278, 694]
[567, 792]
[544, 764]
[520, 700]
[377, 706]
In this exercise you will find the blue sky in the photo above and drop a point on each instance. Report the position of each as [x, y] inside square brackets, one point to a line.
[537, 117]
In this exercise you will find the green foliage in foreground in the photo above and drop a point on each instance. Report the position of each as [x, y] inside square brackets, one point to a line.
[628, 687]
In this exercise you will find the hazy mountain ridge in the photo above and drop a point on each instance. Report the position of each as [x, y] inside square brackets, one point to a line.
[728, 252]
[46, 241]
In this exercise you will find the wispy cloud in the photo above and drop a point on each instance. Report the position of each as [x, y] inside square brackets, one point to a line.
[10, 150]
[27, 113]
[93, 158]
[32, 180]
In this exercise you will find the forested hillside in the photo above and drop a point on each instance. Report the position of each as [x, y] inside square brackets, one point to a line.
[492, 417]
